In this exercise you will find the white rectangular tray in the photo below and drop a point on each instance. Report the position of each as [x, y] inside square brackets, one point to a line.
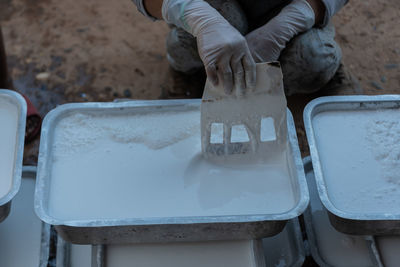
[343, 219]
[19, 102]
[161, 229]
[24, 237]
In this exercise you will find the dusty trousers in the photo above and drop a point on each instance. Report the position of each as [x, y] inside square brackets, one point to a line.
[309, 61]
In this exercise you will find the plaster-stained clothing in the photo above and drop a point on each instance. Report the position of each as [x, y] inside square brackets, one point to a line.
[309, 61]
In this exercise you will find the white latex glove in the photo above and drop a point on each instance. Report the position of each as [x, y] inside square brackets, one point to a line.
[267, 42]
[223, 50]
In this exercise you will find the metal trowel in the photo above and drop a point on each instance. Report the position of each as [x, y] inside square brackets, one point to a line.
[251, 126]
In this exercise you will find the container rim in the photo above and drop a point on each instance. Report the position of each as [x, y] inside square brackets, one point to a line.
[313, 247]
[311, 237]
[29, 172]
[19, 147]
[364, 102]
[298, 240]
[52, 116]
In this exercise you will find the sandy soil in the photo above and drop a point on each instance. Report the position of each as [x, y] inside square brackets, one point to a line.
[98, 50]
[370, 38]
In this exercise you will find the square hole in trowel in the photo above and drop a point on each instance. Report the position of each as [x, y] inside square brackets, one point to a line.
[217, 133]
[267, 129]
[239, 134]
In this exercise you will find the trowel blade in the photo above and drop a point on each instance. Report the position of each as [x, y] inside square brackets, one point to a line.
[239, 120]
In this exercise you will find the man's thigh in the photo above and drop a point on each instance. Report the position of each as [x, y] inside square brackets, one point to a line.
[310, 60]
[181, 46]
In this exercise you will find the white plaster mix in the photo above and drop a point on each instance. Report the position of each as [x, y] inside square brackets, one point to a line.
[8, 139]
[150, 165]
[359, 152]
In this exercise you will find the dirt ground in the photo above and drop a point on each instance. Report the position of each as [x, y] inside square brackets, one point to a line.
[99, 50]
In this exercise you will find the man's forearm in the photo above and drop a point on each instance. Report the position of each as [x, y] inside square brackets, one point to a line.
[153, 7]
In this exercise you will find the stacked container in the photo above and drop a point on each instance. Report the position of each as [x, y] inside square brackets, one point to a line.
[157, 233]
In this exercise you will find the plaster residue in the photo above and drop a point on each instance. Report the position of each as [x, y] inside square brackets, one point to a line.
[155, 130]
[383, 139]
[150, 165]
[360, 157]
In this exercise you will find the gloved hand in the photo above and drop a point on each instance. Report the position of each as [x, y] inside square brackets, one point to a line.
[267, 42]
[222, 48]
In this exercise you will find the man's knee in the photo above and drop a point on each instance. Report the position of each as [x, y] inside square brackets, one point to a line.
[182, 52]
[181, 46]
[310, 60]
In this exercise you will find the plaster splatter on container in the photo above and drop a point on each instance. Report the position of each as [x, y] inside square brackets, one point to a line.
[359, 152]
